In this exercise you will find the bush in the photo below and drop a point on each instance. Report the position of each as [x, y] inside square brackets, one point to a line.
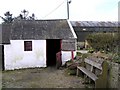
[116, 58]
[79, 54]
[80, 45]
[103, 41]
[90, 50]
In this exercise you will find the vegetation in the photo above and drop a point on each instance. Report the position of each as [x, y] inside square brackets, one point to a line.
[80, 45]
[22, 16]
[8, 17]
[103, 41]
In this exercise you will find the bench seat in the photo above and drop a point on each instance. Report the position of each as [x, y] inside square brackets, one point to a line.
[88, 73]
[96, 69]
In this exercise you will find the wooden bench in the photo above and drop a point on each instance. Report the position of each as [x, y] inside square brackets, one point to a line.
[96, 70]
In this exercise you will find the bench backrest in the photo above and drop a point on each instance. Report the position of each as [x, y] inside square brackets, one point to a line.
[94, 65]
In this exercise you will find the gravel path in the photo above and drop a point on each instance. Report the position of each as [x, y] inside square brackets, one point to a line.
[40, 78]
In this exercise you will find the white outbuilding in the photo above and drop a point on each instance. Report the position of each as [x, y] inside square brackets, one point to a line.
[37, 43]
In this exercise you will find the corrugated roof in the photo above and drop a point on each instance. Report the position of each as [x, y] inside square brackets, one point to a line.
[95, 24]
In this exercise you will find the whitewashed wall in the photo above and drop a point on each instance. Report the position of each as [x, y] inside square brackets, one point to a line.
[16, 57]
[67, 55]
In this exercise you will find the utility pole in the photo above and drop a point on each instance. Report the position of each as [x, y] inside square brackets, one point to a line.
[68, 2]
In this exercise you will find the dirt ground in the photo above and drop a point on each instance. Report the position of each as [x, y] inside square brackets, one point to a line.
[49, 77]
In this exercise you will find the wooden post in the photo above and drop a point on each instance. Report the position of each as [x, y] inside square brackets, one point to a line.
[72, 54]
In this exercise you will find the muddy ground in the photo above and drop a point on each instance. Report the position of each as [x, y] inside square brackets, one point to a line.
[49, 77]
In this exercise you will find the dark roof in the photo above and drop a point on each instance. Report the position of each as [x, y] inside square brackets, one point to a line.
[95, 24]
[36, 30]
[0, 33]
[41, 29]
[5, 34]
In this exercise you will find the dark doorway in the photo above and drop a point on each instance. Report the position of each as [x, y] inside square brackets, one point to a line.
[53, 46]
[2, 57]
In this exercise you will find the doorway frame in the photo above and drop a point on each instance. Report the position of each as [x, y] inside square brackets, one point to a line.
[60, 41]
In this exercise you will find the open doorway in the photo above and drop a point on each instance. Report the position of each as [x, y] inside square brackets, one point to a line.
[2, 57]
[53, 46]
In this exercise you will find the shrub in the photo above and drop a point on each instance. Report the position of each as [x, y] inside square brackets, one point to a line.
[79, 54]
[103, 41]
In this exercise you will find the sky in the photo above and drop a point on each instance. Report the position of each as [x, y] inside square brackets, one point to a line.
[79, 10]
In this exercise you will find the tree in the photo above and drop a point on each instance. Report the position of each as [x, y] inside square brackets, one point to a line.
[8, 17]
[32, 17]
[24, 15]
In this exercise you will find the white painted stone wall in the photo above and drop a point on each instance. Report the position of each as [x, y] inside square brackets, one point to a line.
[66, 56]
[16, 57]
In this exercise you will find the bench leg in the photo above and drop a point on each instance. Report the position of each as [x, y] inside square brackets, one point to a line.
[77, 72]
[89, 80]
[85, 79]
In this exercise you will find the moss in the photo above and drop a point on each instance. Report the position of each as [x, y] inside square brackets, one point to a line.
[79, 54]
[71, 72]
[85, 55]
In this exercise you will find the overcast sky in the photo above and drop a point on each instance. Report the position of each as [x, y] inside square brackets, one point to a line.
[80, 10]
